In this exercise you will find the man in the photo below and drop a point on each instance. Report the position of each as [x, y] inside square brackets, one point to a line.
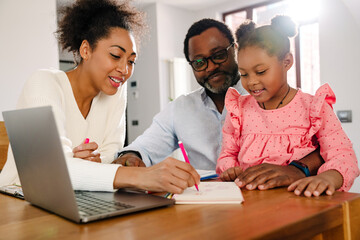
[197, 118]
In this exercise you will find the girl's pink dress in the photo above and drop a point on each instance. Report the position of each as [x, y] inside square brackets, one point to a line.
[252, 135]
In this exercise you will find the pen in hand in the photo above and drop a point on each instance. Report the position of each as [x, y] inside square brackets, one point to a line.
[86, 141]
[181, 145]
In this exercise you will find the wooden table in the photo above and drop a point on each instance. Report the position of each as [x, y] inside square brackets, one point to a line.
[272, 214]
[4, 144]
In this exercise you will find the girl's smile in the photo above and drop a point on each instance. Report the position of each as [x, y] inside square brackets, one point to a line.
[257, 93]
[264, 76]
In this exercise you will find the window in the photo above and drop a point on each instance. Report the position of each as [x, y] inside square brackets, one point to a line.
[305, 73]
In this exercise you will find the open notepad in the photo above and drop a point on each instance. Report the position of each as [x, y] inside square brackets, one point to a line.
[211, 193]
[12, 190]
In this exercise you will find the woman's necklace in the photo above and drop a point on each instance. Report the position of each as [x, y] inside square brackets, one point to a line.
[281, 102]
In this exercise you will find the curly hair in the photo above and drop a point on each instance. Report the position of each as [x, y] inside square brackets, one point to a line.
[274, 38]
[200, 26]
[92, 20]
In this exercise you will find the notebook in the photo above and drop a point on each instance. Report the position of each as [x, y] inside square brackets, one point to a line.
[211, 193]
[207, 174]
[44, 176]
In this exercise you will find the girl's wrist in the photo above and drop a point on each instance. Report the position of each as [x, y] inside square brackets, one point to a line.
[334, 177]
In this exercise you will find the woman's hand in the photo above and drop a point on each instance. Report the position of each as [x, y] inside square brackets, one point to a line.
[170, 175]
[87, 151]
[327, 182]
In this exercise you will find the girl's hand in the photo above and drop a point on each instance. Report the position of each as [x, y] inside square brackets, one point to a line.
[326, 182]
[87, 151]
[231, 174]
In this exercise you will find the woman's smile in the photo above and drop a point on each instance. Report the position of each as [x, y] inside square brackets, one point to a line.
[116, 82]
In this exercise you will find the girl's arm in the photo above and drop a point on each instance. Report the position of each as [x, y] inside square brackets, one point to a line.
[230, 149]
[340, 167]
[336, 149]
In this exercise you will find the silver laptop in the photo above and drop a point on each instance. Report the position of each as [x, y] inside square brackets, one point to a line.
[44, 176]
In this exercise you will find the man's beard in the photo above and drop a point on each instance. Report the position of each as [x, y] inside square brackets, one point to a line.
[231, 80]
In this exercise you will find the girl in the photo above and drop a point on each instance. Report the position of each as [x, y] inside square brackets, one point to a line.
[278, 124]
[89, 101]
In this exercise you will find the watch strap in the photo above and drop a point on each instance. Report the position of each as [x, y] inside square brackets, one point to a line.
[129, 151]
[302, 166]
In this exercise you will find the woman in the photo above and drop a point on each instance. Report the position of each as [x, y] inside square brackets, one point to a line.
[89, 101]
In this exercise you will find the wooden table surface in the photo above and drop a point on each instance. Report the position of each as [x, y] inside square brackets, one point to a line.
[272, 214]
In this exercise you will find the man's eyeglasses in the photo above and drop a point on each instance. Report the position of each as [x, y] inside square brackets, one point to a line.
[219, 57]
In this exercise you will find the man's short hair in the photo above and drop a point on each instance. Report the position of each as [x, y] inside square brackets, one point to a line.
[200, 26]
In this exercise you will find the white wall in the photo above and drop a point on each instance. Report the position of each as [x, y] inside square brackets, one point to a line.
[167, 34]
[146, 75]
[27, 43]
[340, 63]
[171, 35]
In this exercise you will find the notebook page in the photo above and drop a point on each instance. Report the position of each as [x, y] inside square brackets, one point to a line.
[211, 193]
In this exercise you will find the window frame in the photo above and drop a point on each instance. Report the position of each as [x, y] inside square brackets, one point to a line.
[249, 15]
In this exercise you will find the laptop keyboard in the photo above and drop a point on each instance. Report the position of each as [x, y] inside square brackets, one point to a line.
[89, 205]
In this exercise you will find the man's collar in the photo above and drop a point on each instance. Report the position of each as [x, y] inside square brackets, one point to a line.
[238, 86]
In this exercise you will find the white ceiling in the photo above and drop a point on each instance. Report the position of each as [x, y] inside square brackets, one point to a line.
[353, 5]
[186, 4]
[354, 8]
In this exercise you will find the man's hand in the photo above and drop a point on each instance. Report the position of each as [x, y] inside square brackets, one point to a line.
[266, 176]
[129, 160]
[231, 174]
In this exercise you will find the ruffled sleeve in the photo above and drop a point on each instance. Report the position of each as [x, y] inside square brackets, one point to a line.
[231, 132]
[232, 106]
[323, 95]
[335, 147]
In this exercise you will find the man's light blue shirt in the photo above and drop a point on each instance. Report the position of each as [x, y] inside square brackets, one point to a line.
[192, 119]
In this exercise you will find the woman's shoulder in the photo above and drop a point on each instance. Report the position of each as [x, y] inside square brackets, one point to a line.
[46, 82]
[46, 77]
[51, 72]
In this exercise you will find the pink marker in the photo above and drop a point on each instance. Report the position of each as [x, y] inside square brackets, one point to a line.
[181, 145]
[86, 140]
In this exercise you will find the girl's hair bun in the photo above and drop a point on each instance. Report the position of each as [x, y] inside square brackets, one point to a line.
[284, 25]
[244, 29]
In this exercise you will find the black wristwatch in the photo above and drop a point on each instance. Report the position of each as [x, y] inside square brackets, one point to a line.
[129, 151]
[302, 166]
